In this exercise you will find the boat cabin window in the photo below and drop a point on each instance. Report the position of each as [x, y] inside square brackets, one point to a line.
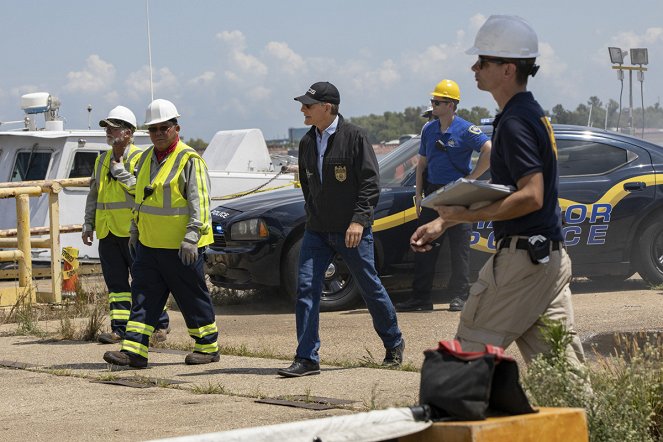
[31, 166]
[83, 164]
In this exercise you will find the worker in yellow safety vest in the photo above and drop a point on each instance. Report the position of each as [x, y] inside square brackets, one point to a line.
[108, 211]
[170, 229]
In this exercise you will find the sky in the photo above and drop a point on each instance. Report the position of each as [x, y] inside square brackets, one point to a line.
[230, 64]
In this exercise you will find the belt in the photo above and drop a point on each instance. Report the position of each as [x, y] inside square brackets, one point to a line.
[521, 244]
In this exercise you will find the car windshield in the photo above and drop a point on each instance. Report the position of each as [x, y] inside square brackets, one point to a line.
[399, 164]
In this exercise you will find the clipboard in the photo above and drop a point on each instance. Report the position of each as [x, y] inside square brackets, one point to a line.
[464, 192]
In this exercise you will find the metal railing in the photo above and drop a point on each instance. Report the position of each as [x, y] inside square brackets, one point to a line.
[20, 238]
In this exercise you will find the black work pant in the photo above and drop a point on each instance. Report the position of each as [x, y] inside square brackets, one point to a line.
[425, 262]
[116, 267]
[158, 272]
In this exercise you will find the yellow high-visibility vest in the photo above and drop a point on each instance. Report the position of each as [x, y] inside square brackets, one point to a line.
[162, 217]
[114, 201]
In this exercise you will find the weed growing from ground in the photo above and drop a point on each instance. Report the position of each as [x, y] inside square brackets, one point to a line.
[26, 316]
[210, 388]
[92, 306]
[109, 377]
[372, 402]
[622, 394]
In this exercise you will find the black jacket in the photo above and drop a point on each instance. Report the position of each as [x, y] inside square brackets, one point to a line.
[350, 186]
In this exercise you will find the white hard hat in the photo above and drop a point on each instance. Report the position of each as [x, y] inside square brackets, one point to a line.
[505, 36]
[160, 110]
[428, 112]
[119, 113]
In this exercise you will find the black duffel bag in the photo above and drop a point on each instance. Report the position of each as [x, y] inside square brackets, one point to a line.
[461, 385]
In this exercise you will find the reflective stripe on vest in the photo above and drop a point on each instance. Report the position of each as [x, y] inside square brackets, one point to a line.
[114, 202]
[163, 216]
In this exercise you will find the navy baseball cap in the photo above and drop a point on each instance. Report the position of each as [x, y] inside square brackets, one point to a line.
[320, 92]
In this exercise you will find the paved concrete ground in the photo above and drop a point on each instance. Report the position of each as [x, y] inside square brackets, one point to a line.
[57, 396]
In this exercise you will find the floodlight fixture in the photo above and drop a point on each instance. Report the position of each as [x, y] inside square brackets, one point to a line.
[616, 55]
[639, 56]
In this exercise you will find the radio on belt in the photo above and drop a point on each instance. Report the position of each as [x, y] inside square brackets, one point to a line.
[538, 248]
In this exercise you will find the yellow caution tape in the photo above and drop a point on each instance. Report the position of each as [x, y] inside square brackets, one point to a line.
[67, 274]
[70, 254]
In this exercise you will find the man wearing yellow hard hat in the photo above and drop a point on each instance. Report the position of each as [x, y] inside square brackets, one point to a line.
[445, 154]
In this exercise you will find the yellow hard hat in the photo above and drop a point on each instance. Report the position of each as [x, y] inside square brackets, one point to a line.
[447, 89]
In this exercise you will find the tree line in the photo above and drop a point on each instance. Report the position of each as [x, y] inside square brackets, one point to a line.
[391, 125]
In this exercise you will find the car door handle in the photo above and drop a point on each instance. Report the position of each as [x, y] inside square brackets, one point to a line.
[633, 186]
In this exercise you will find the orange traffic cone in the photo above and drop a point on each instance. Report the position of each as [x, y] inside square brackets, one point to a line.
[70, 273]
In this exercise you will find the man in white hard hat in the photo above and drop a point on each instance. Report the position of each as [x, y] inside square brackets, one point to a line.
[428, 114]
[170, 229]
[526, 282]
[108, 211]
[445, 155]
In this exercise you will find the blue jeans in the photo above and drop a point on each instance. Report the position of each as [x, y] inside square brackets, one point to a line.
[317, 252]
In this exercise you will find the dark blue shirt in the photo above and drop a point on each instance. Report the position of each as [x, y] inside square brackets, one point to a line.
[523, 144]
[453, 160]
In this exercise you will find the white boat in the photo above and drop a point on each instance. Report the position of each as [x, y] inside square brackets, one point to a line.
[238, 161]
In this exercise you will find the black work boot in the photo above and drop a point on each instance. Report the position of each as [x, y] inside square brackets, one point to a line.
[456, 304]
[414, 305]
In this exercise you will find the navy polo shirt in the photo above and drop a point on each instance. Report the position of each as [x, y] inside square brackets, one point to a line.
[453, 161]
[523, 144]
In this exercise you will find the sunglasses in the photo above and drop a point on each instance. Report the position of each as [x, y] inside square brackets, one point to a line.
[110, 128]
[308, 106]
[483, 60]
[439, 102]
[155, 129]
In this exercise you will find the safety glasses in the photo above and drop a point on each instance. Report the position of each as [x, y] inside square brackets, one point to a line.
[155, 129]
[482, 61]
[440, 102]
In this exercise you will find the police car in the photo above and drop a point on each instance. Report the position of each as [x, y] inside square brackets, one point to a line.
[611, 195]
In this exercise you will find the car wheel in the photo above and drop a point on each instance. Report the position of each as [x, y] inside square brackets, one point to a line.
[339, 289]
[649, 254]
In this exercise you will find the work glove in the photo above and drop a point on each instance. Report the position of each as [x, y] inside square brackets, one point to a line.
[188, 253]
[87, 235]
[133, 243]
[117, 167]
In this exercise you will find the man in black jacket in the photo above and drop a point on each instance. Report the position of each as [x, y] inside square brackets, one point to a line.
[339, 177]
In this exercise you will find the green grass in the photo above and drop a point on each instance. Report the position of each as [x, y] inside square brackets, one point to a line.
[210, 388]
[622, 394]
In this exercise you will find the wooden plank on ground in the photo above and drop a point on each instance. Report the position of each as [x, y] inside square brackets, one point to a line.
[548, 425]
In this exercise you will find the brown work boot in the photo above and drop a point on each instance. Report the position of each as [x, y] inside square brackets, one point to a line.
[109, 338]
[197, 358]
[123, 358]
[160, 335]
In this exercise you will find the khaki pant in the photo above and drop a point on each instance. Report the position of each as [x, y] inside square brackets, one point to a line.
[510, 297]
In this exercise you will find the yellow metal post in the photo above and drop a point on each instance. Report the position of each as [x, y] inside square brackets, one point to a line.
[23, 240]
[56, 250]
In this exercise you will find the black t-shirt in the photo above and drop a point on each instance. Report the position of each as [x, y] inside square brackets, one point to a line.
[524, 143]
